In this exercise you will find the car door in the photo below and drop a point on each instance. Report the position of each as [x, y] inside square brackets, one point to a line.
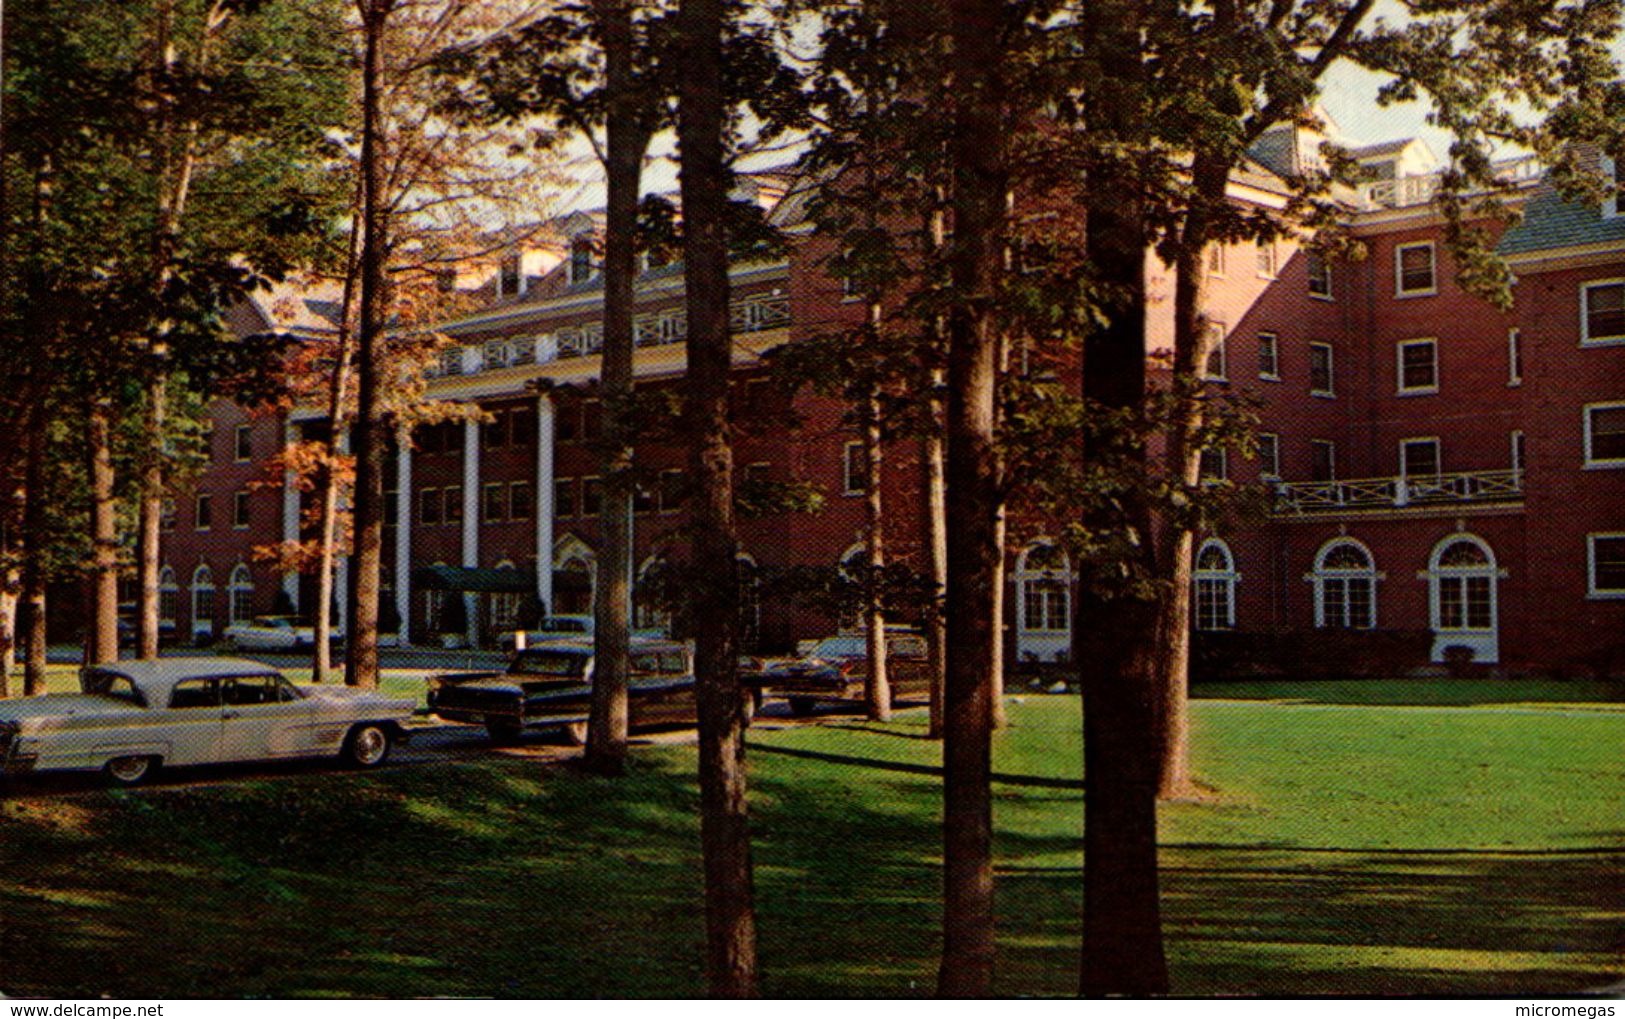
[661, 688]
[263, 717]
[192, 722]
[907, 666]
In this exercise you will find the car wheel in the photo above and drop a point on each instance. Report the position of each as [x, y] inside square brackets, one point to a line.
[801, 707]
[367, 746]
[128, 771]
[502, 734]
[575, 734]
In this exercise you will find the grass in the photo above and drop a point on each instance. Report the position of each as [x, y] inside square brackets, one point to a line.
[1347, 848]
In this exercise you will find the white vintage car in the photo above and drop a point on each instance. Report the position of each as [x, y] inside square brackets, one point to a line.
[133, 717]
[273, 633]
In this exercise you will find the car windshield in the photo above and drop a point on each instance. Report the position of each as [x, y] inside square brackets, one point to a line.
[109, 684]
[907, 646]
[271, 622]
[666, 663]
[562, 626]
[839, 647]
[546, 663]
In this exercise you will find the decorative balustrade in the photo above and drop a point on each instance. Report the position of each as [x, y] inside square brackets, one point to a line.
[1402, 192]
[1397, 493]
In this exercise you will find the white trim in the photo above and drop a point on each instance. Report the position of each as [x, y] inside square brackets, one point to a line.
[1275, 355]
[1585, 304]
[1484, 641]
[1269, 469]
[241, 581]
[1399, 367]
[1592, 592]
[1216, 327]
[1330, 392]
[404, 508]
[846, 469]
[1611, 204]
[1043, 642]
[1399, 273]
[1590, 462]
[1514, 357]
[1227, 576]
[1326, 264]
[1274, 259]
[1418, 440]
[1322, 575]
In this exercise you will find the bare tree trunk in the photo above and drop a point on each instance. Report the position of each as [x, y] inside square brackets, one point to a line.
[730, 912]
[338, 393]
[101, 644]
[980, 176]
[1117, 624]
[876, 687]
[149, 553]
[361, 663]
[627, 140]
[31, 610]
[996, 668]
[936, 489]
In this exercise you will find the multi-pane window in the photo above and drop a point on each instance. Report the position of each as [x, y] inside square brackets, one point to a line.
[581, 260]
[1603, 312]
[1345, 587]
[1217, 366]
[1464, 578]
[1214, 580]
[1413, 269]
[1322, 460]
[494, 504]
[1605, 435]
[1514, 358]
[1045, 599]
[245, 443]
[564, 497]
[428, 505]
[1320, 276]
[520, 500]
[1269, 455]
[1266, 259]
[1417, 362]
[1419, 458]
[169, 597]
[240, 509]
[1606, 565]
[241, 592]
[853, 469]
[451, 507]
[1322, 380]
[1269, 357]
[1216, 260]
[1214, 465]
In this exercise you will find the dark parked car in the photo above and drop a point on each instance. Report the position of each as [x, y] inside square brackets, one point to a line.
[836, 669]
[550, 687]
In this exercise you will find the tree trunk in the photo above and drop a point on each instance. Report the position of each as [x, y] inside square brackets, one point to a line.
[1183, 463]
[361, 662]
[980, 177]
[31, 609]
[149, 553]
[101, 636]
[876, 686]
[327, 548]
[626, 140]
[996, 666]
[730, 914]
[1117, 625]
[936, 489]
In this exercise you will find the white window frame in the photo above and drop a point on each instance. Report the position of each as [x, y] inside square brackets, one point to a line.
[1516, 440]
[1274, 344]
[1586, 339]
[1420, 440]
[847, 453]
[1221, 457]
[1228, 577]
[1592, 591]
[198, 518]
[1399, 368]
[1269, 467]
[1268, 260]
[1026, 577]
[202, 583]
[169, 596]
[1330, 392]
[241, 510]
[1217, 260]
[1611, 204]
[1591, 462]
[240, 584]
[1438, 575]
[238, 436]
[1322, 574]
[1514, 358]
[1326, 266]
[1218, 342]
[1399, 271]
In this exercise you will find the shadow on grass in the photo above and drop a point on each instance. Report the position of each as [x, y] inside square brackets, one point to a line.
[1003, 778]
[500, 877]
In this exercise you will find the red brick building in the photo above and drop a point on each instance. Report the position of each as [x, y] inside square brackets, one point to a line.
[1438, 465]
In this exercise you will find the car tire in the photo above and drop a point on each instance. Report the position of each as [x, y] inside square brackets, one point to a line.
[129, 771]
[801, 707]
[503, 735]
[367, 746]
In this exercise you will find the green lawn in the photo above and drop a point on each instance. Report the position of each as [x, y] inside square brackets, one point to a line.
[1345, 848]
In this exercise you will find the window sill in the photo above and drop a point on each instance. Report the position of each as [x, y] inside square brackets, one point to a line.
[1514, 383]
[1268, 378]
[1418, 391]
[1605, 596]
[1328, 298]
[1605, 341]
[1322, 394]
[1603, 465]
[1401, 295]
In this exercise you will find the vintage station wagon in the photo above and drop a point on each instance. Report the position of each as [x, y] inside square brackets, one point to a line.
[132, 717]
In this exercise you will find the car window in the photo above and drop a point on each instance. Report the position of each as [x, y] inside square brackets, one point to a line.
[839, 647]
[195, 693]
[251, 690]
[545, 664]
[664, 663]
[110, 684]
[285, 691]
[906, 647]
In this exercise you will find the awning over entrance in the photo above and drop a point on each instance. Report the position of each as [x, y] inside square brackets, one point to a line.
[473, 578]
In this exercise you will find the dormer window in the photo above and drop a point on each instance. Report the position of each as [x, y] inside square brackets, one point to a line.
[510, 278]
[581, 260]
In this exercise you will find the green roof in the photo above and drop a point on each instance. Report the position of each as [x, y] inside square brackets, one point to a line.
[1550, 222]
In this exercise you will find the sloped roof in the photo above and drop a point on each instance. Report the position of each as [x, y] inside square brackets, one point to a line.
[1550, 222]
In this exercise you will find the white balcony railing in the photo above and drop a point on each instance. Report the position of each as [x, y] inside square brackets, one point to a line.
[1403, 192]
[1397, 493]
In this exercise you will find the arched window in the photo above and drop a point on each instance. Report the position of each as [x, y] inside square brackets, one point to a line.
[853, 569]
[1463, 574]
[169, 597]
[1345, 580]
[241, 594]
[1214, 580]
[1043, 580]
[203, 600]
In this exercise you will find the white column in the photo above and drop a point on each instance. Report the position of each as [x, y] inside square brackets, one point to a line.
[341, 571]
[471, 519]
[403, 537]
[545, 508]
[290, 513]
